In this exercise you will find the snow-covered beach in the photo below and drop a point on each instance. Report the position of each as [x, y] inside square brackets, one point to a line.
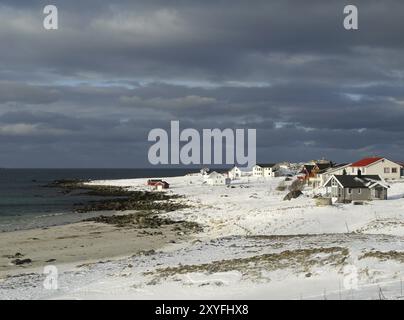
[254, 246]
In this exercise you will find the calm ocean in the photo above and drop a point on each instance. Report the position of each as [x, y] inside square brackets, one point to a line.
[25, 203]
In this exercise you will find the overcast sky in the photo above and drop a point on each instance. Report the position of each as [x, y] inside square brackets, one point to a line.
[87, 94]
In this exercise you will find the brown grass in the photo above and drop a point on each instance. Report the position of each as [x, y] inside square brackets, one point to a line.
[302, 260]
[384, 256]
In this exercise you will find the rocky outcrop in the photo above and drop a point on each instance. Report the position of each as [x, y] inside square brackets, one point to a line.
[145, 221]
[119, 198]
[19, 262]
[293, 195]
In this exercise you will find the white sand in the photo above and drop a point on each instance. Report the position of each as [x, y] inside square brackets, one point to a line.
[76, 244]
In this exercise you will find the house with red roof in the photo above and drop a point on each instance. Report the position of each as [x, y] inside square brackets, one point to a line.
[383, 167]
[158, 184]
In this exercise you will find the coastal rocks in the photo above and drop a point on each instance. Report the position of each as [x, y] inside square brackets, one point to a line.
[293, 195]
[147, 204]
[146, 253]
[68, 185]
[122, 198]
[19, 262]
[18, 259]
[146, 221]
[14, 256]
[130, 204]
[132, 200]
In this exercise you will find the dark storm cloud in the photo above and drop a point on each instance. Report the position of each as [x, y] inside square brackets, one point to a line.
[88, 93]
[199, 39]
[19, 92]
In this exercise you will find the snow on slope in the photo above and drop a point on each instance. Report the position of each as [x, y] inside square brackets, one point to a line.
[254, 206]
[255, 246]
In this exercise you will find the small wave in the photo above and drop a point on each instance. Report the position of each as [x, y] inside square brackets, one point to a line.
[52, 215]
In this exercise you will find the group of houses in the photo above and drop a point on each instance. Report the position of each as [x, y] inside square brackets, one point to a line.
[363, 180]
[350, 182]
[346, 182]
[224, 177]
[264, 170]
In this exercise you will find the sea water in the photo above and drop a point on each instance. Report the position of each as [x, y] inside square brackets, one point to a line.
[26, 202]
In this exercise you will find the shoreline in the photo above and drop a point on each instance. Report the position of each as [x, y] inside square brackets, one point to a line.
[75, 244]
[253, 244]
[120, 224]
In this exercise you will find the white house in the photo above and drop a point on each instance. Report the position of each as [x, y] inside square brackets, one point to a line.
[383, 167]
[264, 170]
[237, 173]
[217, 179]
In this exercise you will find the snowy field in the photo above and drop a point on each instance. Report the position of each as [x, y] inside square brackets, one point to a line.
[254, 246]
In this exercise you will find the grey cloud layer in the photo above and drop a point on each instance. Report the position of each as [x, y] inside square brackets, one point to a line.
[93, 89]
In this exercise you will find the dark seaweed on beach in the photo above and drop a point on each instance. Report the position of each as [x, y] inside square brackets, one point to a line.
[123, 199]
[131, 200]
[145, 220]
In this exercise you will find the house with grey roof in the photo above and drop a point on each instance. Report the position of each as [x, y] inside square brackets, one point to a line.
[337, 169]
[348, 188]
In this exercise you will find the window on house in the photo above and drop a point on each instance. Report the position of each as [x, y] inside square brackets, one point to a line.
[394, 170]
[359, 191]
[363, 170]
[353, 170]
[349, 191]
[386, 170]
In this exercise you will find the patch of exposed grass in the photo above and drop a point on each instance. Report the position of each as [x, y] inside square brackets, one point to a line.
[302, 260]
[384, 256]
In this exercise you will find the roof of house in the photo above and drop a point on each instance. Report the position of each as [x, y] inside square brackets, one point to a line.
[336, 167]
[215, 174]
[155, 182]
[364, 181]
[365, 162]
[323, 166]
[266, 165]
[222, 171]
[340, 165]
[401, 163]
[164, 183]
